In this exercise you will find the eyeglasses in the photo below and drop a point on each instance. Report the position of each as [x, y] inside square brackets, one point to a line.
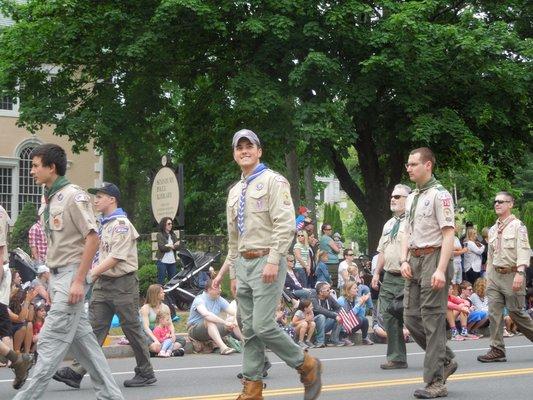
[501, 201]
[412, 165]
[169, 223]
[327, 229]
[349, 254]
[397, 196]
[301, 236]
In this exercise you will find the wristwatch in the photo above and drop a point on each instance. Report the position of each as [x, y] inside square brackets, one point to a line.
[521, 272]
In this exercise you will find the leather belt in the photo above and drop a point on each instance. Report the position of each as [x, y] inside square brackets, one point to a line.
[58, 270]
[505, 270]
[251, 254]
[424, 251]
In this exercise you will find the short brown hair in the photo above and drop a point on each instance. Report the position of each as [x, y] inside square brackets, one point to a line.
[425, 155]
[507, 194]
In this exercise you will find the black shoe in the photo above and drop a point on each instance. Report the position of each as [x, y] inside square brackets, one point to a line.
[69, 377]
[266, 366]
[140, 380]
[178, 352]
[21, 368]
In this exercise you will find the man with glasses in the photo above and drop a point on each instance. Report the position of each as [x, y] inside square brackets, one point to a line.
[508, 258]
[389, 249]
[327, 316]
[427, 267]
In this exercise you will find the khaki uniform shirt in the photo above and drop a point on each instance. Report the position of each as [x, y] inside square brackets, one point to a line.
[434, 211]
[391, 248]
[4, 230]
[513, 249]
[119, 240]
[268, 217]
[71, 220]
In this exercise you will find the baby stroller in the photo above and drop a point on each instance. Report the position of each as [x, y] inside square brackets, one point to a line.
[22, 262]
[190, 281]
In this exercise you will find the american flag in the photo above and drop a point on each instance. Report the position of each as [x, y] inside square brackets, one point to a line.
[349, 319]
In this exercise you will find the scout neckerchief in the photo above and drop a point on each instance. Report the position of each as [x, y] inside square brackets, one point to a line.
[245, 182]
[119, 212]
[501, 225]
[58, 184]
[420, 189]
[396, 226]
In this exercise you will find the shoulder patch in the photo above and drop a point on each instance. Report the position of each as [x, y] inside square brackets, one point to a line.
[121, 229]
[81, 197]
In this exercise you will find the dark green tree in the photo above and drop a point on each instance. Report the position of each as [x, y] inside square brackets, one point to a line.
[19, 235]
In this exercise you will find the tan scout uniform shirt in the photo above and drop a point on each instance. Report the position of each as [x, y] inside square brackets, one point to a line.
[4, 229]
[119, 240]
[434, 211]
[71, 220]
[391, 248]
[512, 249]
[268, 217]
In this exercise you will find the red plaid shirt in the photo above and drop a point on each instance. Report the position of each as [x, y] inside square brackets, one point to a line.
[37, 238]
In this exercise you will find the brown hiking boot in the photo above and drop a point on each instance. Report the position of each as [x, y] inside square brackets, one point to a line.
[433, 390]
[252, 390]
[449, 369]
[21, 368]
[493, 355]
[394, 365]
[310, 375]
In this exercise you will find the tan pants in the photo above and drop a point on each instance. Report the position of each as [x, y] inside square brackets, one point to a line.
[425, 314]
[500, 294]
[67, 328]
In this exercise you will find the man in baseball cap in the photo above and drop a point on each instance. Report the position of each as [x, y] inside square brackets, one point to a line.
[245, 134]
[108, 188]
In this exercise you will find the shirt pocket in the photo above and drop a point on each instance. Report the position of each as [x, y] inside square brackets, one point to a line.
[508, 241]
[258, 201]
[56, 219]
[233, 204]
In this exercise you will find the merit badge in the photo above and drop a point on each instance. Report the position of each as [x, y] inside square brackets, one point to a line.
[259, 186]
[286, 199]
[447, 212]
[447, 202]
[56, 222]
[121, 229]
[426, 203]
[60, 197]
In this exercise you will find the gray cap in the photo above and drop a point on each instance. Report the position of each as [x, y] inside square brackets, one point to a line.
[245, 133]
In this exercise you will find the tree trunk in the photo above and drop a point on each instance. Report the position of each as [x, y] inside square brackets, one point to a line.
[309, 177]
[293, 175]
[111, 163]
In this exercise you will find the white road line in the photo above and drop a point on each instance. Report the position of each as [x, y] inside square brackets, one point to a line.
[478, 349]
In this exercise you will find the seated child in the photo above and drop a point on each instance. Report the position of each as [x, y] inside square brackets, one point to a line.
[163, 333]
[304, 324]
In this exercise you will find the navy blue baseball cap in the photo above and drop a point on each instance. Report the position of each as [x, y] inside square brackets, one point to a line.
[108, 188]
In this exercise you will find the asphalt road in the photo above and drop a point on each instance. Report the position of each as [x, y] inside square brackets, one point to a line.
[349, 373]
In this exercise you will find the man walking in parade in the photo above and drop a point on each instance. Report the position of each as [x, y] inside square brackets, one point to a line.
[260, 218]
[508, 258]
[427, 267]
[116, 288]
[389, 249]
[72, 237]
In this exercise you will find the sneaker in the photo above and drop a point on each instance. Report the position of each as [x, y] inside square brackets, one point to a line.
[394, 365]
[320, 345]
[449, 369]
[457, 338]
[493, 355]
[348, 342]
[432, 391]
[366, 341]
[309, 344]
[140, 380]
[69, 377]
[336, 343]
[21, 368]
[302, 344]
[178, 352]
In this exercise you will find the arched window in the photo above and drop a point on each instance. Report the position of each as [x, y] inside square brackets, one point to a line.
[28, 190]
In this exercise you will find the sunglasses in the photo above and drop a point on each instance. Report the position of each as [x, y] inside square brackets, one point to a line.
[501, 201]
[397, 196]
[349, 254]
[301, 236]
